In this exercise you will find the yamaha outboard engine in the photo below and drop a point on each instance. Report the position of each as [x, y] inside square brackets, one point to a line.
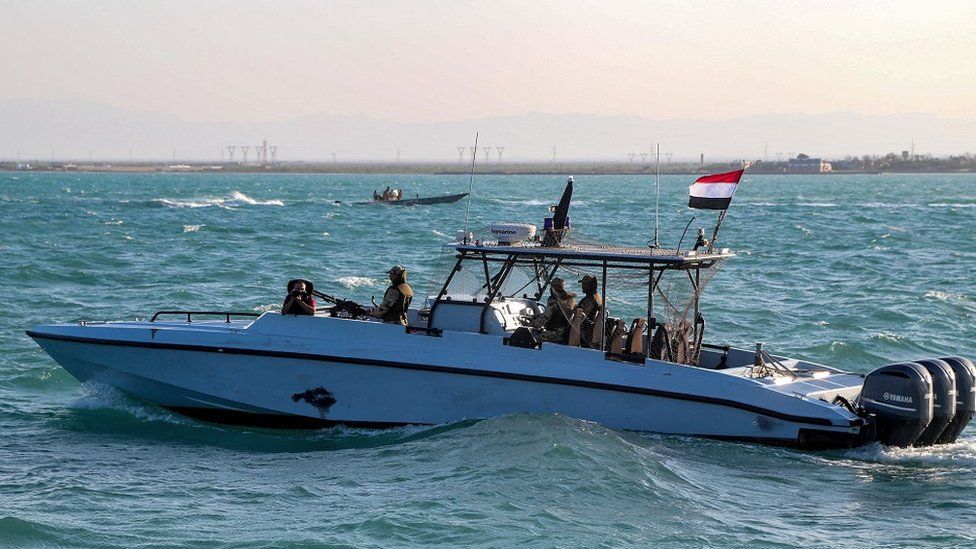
[943, 400]
[899, 396]
[965, 397]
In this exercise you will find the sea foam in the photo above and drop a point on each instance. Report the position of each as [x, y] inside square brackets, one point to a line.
[356, 281]
[236, 199]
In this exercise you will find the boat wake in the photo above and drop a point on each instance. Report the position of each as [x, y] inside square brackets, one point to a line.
[236, 199]
[103, 402]
[959, 454]
[98, 396]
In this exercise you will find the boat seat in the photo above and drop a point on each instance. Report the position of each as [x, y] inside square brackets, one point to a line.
[615, 343]
[575, 328]
[660, 344]
[598, 329]
[635, 338]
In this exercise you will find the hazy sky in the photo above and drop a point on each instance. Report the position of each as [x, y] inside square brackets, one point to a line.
[249, 61]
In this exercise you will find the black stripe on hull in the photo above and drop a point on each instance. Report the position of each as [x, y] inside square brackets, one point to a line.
[274, 421]
[808, 439]
[709, 203]
[454, 370]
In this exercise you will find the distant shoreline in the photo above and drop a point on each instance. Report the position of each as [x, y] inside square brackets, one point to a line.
[448, 168]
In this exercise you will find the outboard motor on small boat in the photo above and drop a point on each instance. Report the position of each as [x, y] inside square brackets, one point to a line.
[899, 396]
[943, 400]
[965, 397]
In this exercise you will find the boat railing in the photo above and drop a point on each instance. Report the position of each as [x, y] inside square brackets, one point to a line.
[189, 314]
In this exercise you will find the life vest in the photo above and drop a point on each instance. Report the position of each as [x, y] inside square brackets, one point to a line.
[397, 312]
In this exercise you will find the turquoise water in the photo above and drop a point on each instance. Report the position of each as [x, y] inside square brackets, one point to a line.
[853, 271]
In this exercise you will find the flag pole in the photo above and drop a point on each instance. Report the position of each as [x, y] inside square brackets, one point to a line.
[718, 225]
[657, 195]
[721, 217]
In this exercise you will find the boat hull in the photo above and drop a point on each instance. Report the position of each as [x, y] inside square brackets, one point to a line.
[423, 201]
[401, 383]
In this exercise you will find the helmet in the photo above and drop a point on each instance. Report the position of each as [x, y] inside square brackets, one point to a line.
[397, 274]
[589, 282]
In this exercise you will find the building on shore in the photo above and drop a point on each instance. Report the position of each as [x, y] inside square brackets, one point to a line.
[805, 164]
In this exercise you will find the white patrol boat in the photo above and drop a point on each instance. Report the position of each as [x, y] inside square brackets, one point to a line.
[472, 351]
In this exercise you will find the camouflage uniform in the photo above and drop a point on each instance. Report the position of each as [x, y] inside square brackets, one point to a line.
[396, 300]
[559, 309]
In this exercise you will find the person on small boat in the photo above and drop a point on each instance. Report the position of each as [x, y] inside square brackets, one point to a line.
[554, 323]
[387, 193]
[299, 300]
[396, 300]
[590, 305]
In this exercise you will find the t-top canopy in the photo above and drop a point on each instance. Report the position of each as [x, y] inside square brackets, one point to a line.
[597, 253]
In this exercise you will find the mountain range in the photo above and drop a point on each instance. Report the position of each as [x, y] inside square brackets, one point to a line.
[77, 130]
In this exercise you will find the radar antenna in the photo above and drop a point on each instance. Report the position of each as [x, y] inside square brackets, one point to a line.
[474, 155]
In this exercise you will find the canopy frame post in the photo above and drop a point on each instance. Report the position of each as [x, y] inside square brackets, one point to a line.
[548, 275]
[603, 309]
[651, 321]
[440, 295]
[501, 277]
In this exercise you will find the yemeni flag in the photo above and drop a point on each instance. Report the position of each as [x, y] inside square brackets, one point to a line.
[714, 192]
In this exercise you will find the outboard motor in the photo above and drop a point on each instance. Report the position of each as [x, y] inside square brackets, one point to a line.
[965, 397]
[943, 400]
[900, 398]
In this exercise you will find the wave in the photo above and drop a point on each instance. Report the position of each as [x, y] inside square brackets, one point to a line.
[356, 281]
[530, 202]
[887, 336]
[792, 204]
[98, 396]
[867, 205]
[22, 531]
[946, 296]
[963, 452]
[192, 228]
[235, 200]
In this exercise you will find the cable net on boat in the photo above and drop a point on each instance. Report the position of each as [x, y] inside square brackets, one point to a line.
[675, 296]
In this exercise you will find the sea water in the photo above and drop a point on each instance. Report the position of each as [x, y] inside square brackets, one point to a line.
[852, 271]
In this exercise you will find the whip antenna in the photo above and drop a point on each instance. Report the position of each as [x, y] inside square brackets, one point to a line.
[474, 154]
[657, 195]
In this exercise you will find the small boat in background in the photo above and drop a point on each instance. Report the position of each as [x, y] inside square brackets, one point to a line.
[397, 200]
